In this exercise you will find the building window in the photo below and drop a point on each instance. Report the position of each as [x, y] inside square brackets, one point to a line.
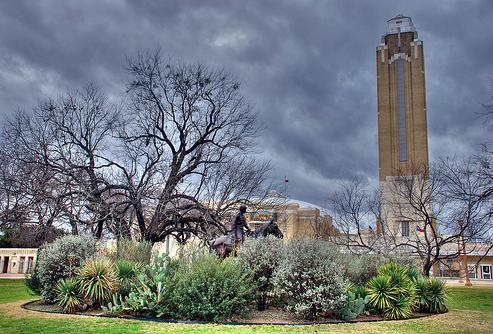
[401, 110]
[471, 269]
[405, 229]
[486, 271]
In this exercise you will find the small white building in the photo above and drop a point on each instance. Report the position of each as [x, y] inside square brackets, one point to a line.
[17, 260]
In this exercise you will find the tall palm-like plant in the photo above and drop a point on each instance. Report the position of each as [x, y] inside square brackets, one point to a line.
[98, 281]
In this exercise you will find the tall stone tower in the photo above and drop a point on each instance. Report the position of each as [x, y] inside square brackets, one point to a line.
[402, 128]
[402, 125]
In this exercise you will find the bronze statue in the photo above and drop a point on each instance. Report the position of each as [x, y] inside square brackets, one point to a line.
[238, 223]
[224, 245]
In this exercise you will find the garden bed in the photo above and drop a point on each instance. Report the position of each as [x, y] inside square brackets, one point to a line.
[271, 316]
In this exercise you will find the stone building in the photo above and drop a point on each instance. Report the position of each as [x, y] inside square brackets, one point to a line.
[402, 124]
[295, 219]
[403, 144]
[17, 260]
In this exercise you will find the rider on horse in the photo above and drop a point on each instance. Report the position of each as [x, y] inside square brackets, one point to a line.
[238, 223]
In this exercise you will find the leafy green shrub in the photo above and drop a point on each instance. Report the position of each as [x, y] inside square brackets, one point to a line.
[67, 291]
[61, 259]
[134, 251]
[392, 292]
[360, 268]
[262, 256]
[98, 280]
[210, 289]
[360, 291]
[32, 281]
[353, 306]
[309, 279]
[126, 272]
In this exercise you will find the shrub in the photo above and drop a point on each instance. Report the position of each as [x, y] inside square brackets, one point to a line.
[126, 272]
[61, 259]
[353, 307]
[262, 256]
[381, 292]
[309, 279]
[98, 280]
[32, 281]
[134, 251]
[360, 268]
[210, 289]
[67, 291]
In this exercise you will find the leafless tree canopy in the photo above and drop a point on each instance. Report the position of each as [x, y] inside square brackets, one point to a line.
[174, 159]
[446, 202]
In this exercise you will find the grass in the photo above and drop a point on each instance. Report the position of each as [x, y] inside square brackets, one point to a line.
[471, 311]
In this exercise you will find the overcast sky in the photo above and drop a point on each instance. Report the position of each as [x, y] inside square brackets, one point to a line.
[308, 67]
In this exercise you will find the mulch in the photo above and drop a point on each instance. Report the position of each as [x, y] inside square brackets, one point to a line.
[271, 316]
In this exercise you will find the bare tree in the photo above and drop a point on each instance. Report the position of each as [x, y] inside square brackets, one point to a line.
[174, 161]
[358, 219]
[193, 118]
[424, 212]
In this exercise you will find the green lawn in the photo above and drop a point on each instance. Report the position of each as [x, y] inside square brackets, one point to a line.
[471, 312]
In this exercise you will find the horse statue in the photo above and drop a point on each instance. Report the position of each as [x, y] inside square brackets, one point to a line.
[224, 245]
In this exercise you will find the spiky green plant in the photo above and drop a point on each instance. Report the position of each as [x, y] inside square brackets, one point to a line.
[421, 286]
[126, 272]
[98, 280]
[67, 292]
[413, 273]
[381, 292]
[360, 291]
[437, 296]
[400, 308]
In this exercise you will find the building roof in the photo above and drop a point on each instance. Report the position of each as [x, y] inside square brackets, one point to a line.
[400, 23]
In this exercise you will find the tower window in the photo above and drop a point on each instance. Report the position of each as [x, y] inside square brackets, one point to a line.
[401, 110]
[405, 229]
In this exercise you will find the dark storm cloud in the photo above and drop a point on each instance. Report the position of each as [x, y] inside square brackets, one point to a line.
[307, 67]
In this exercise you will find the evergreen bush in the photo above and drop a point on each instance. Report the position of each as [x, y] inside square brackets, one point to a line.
[61, 259]
[392, 292]
[210, 289]
[360, 268]
[309, 279]
[262, 256]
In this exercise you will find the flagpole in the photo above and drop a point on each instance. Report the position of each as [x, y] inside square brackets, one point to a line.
[285, 205]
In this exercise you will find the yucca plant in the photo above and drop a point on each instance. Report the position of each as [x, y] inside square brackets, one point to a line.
[437, 296]
[400, 308]
[360, 291]
[98, 280]
[413, 273]
[381, 292]
[421, 286]
[126, 272]
[67, 291]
